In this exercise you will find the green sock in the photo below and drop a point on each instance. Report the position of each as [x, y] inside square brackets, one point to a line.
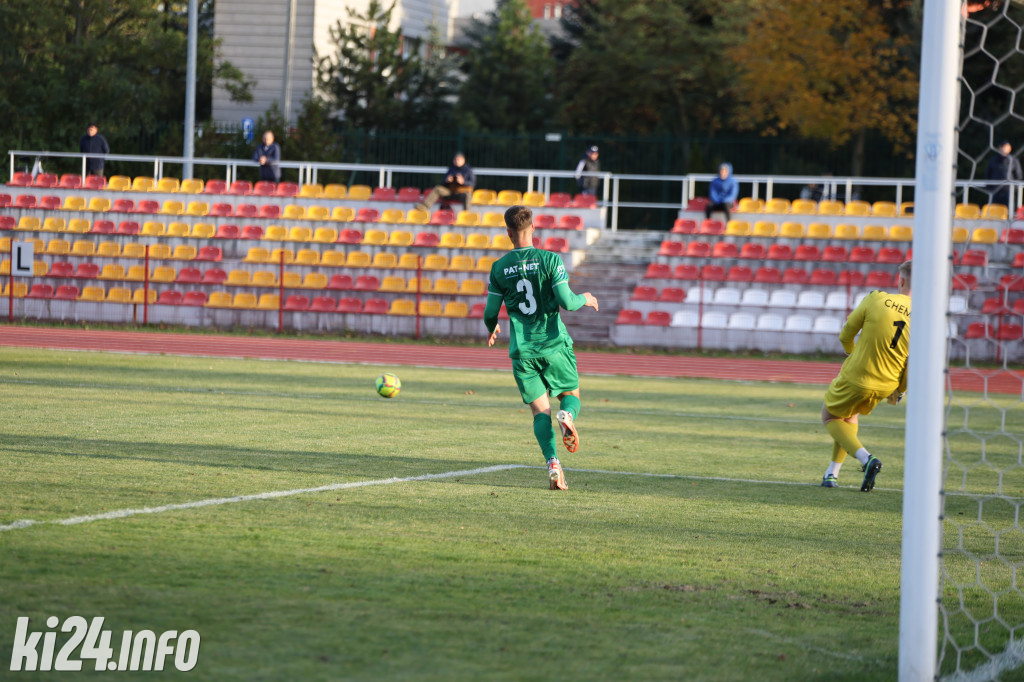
[845, 434]
[572, 405]
[545, 434]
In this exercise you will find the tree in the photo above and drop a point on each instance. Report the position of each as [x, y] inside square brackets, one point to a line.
[830, 71]
[434, 86]
[509, 73]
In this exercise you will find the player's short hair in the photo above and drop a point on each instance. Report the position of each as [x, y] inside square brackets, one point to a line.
[518, 218]
[904, 271]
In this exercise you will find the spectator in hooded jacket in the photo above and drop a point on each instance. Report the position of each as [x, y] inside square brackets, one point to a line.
[457, 186]
[93, 143]
[268, 156]
[723, 193]
[1006, 169]
[588, 164]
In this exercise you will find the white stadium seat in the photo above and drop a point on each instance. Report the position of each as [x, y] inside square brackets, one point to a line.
[727, 296]
[827, 325]
[741, 321]
[810, 300]
[693, 295]
[769, 323]
[957, 304]
[685, 318]
[714, 320]
[836, 300]
[755, 297]
[782, 298]
[798, 323]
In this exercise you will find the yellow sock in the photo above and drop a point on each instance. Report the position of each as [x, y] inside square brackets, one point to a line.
[844, 434]
[838, 454]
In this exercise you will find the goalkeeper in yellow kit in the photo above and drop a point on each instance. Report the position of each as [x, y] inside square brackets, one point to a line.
[875, 370]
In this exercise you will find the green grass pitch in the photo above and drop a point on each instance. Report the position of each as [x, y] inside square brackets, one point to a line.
[733, 565]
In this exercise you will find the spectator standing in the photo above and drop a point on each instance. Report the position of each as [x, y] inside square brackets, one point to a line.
[457, 185]
[723, 193]
[588, 164]
[823, 192]
[268, 155]
[93, 143]
[1006, 169]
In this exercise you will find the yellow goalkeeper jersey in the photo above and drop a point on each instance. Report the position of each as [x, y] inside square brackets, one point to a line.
[878, 359]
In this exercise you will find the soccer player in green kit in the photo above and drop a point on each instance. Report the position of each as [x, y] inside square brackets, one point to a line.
[533, 284]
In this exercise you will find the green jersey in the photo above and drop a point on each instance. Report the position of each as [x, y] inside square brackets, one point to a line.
[532, 283]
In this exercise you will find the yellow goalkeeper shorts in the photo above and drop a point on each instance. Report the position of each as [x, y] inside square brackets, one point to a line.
[843, 399]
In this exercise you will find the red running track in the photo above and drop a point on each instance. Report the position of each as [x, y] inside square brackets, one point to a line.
[674, 366]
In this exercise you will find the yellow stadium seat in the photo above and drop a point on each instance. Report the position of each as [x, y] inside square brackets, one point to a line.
[300, 234]
[750, 205]
[857, 208]
[477, 241]
[152, 228]
[430, 308]
[984, 235]
[445, 285]
[325, 235]
[509, 197]
[92, 294]
[318, 213]
[5, 245]
[294, 212]
[56, 247]
[384, 260]
[392, 215]
[472, 287]
[72, 203]
[239, 278]
[461, 263]
[314, 280]
[87, 248]
[873, 232]
[417, 217]
[164, 273]
[54, 225]
[968, 211]
[357, 259]
[484, 197]
[39, 268]
[534, 199]
[307, 257]
[425, 285]
[175, 229]
[78, 225]
[243, 300]
[288, 254]
[402, 306]
[375, 237]
[455, 309]
[452, 240]
[139, 296]
[435, 261]
[264, 278]
[269, 302]
[172, 207]
[311, 191]
[333, 258]
[343, 214]
[119, 183]
[159, 251]
[847, 232]
[5, 268]
[335, 191]
[765, 228]
[408, 261]
[738, 228]
[492, 219]
[484, 263]
[292, 280]
[884, 209]
[468, 219]
[99, 204]
[198, 209]
[819, 231]
[960, 235]
[803, 207]
[133, 250]
[167, 185]
[199, 230]
[994, 212]
[393, 284]
[257, 255]
[219, 299]
[119, 295]
[400, 238]
[776, 206]
[275, 233]
[184, 252]
[901, 233]
[791, 230]
[29, 223]
[112, 271]
[191, 186]
[830, 208]
[907, 209]
[360, 192]
[144, 184]
[501, 241]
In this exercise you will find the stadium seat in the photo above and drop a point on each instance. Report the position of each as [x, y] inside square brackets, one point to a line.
[367, 215]
[627, 316]
[698, 250]
[889, 255]
[739, 273]
[144, 184]
[171, 207]
[52, 224]
[350, 237]
[251, 232]
[360, 192]
[416, 216]
[298, 233]
[71, 203]
[478, 241]
[777, 205]
[767, 275]
[846, 231]
[112, 271]
[984, 235]
[294, 212]
[712, 273]
[795, 276]
[803, 207]
[88, 248]
[672, 249]
[857, 208]
[994, 212]
[570, 222]
[509, 197]
[684, 226]
[20, 179]
[375, 306]
[806, 252]
[750, 205]
[215, 187]
[830, 208]
[874, 233]
[968, 211]
[752, 251]
[737, 228]
[467, 219]
[726, 296]
[724, 250]
[974, 258]
[152, 228]
[559, 200]
[862, 254]
[215, 276]
[55, 247]
[672, 295]
[901, 233]
[711, 227]
[442, 217]
[128, 227]
[286, 189]
[879, 279]
[541, 221]
[658, 318]
[556, 244]
[43, 291]
[643, 293]
[46, 180]
[823, 277]
[264, 188]
[658, 271]
[765, 228]
[270, 211]
[853, 278]
[62, 269]
[791, 230]
[779, 252]
[92, 294]
[883, 209]
[26, 201]
[686, 272]
[534, 199]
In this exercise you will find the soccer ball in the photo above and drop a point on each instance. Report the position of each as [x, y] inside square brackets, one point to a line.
[389, 385]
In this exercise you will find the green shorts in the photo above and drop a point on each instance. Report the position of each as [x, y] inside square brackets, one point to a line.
[554, 374]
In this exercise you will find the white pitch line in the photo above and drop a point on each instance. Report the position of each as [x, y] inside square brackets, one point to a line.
[124, 513]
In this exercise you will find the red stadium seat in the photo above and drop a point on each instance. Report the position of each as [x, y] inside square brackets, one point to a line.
[543, 221]
[965, 281]
[426, 240]
[189, 276]
[1013, 236]
[711, 227]
[779, 252]
[862, 254]
[46, 180]
[658, 318]
[879, 278]
[384, 194]
[96, 182]
[752, 251]
[222, 210]
[66, 292]
[170, 297]
[20, 180]
[559, 200]
[974, 257]
[61, 269]
[795, 276]
[296, 303]
[688, 273]
[70, 181]
[834, 254]
[978, 330]
[766, 275]
[698, 250]
[712, 273]
[87, 271]
[287, 189]
[1018, 260]
[672, 295]
[477, 311]
[889, 255]
[194, 298]
[240, 188]
[323, 304]
[806, 252]
[247, 211]
[443, 217]
[410, 194]
[367, 215]
[251, 232]
[25, 201]
[270, 211]
[658, 271]
[1018, 307]
[7, 222]
[584, 201]
[684, 226]
[366, 283]
[629, 317]
[210, 253]
[227, 231]
[570, 222]
[853, 278]
[215, 276]
[994, 306]
[128, 227]
[49, 203]
[556, 244]
[41, 290]
[697, 204]
[215, 187]
[103, 227]
[670, 248]
[1009, 332]
[350, 237]
[375, 306]
[6, 200]
[724, 250]
[264, 188]
[824, 277]
[147, 206]
[350, 305]
[1011, 282]
[739, 273]
[339, 283]
[123, 206]
[642, 293]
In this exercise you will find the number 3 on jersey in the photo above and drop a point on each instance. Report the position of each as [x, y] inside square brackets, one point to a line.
[529, 306]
